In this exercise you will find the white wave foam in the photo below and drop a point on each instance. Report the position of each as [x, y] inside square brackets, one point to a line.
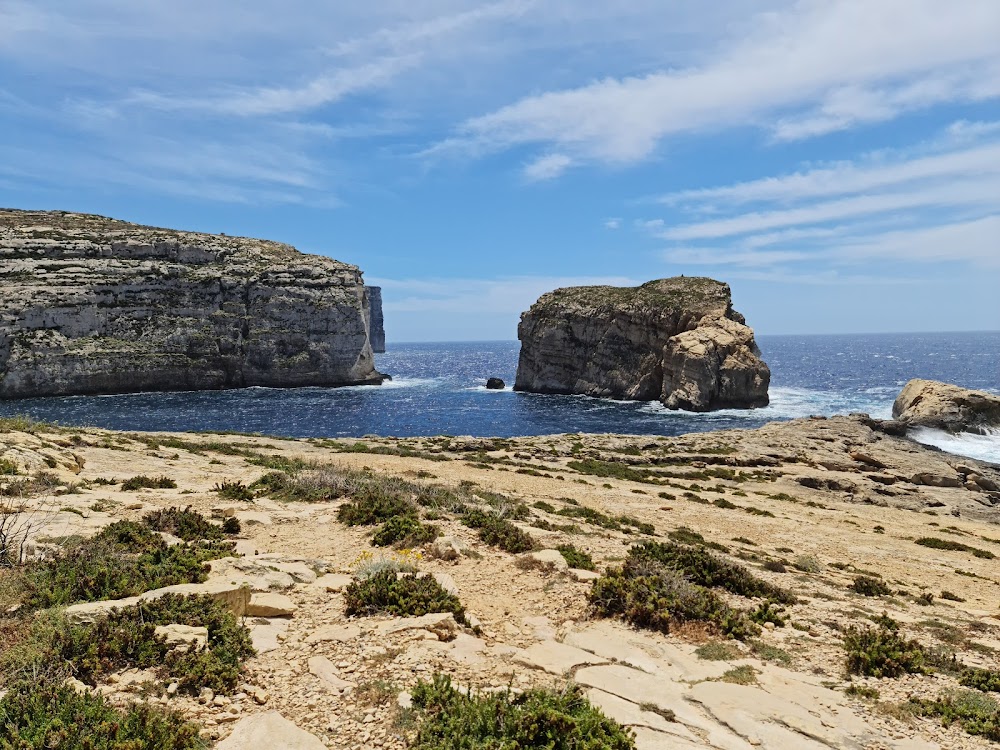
[793, 403]
[981, 447]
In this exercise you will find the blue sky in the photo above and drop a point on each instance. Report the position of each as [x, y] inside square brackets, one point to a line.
[837, 161]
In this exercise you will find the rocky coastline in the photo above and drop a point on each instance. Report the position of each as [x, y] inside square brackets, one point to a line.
[677, 341]
[93, 305]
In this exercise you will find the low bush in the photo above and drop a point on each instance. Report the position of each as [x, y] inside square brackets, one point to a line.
[987, 680]
[37, 716]
[373, 508]
[948, 544]
[882, 652]
[499, 532]
[233, 491]
[707, 569]
[151, 483]
[717, 651]
[650, 595]
[768, 612]
[124, 559]
[870, 586]
[405, 531]
[185, 524]
[684, 535]
[557, 720]
[402, 595]
[976, 712]
[126, 639]
[576, 558]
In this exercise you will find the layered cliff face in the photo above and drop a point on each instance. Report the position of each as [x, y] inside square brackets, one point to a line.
[376, 322]
[930, 403]
[95, 305]
[676, 340]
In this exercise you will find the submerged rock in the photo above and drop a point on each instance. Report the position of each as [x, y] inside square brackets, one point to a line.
[676, 340]
[929, 403]
[96, 305]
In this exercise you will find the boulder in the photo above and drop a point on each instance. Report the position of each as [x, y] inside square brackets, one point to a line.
[677, 341]
[270, 604]
[929, 403]
[495, 384]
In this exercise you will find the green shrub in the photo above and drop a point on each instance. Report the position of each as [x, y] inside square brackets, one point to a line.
[684, 535]
[870, 586]
[768, 612]
[405, 531]
[774, 566]
[499, 532]
[977, 713]
[124, 559]
[951, 596]
[717, 651]
[37, 716]
[987, 680]
[948, 544]
[401, 595]
[7, 467]
[650, 595]
[576, 558]
[807, 564]
[370, 509]
[882, 652]
[125, 639]
[152, 483]
[706, 569]
[233, 490]
[185, 524]
[537, 718]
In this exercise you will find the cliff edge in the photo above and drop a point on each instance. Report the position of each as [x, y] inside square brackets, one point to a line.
[95, 305]
[674, 340]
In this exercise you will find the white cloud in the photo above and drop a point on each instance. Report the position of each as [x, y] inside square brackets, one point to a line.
[614, 223]
[935, 203]
[547, 167]
[819, 66]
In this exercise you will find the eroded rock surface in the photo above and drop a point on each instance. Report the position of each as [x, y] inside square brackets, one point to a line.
[96, 305]
[676, 340]
[930, 403]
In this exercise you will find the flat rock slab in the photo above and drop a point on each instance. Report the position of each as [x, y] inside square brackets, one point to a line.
[442, 624]
[638, 687]
[333, 583]
[583, 576]
[335, 633]
[631, 715]
[551, 559]
[269, 731]
[615, 643]
[270, 605]
[324, 669]
[184, 636]
[265, 633]
[557, 658]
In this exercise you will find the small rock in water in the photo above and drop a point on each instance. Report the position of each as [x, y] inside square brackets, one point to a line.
[495, 384]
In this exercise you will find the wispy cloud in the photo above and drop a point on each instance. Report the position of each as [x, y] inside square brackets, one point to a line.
[818, 66]
[939, 202]
[547, 167]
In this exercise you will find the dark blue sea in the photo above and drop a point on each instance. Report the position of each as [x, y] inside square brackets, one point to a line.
[439, 388]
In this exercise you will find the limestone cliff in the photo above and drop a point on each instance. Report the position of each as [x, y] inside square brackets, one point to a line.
[675, 340]
[376, 322]
[96, 305]
[929, 403]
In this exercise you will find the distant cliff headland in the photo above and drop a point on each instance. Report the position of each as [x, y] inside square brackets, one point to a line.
[95, 305]
[675, 340]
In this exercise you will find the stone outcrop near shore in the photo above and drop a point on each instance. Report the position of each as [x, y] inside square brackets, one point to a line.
[675, 340]
[96, 305]
[929, 403]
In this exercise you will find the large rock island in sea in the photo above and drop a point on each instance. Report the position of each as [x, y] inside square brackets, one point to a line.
[96, 305]
[930, 403]
[675, 340]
